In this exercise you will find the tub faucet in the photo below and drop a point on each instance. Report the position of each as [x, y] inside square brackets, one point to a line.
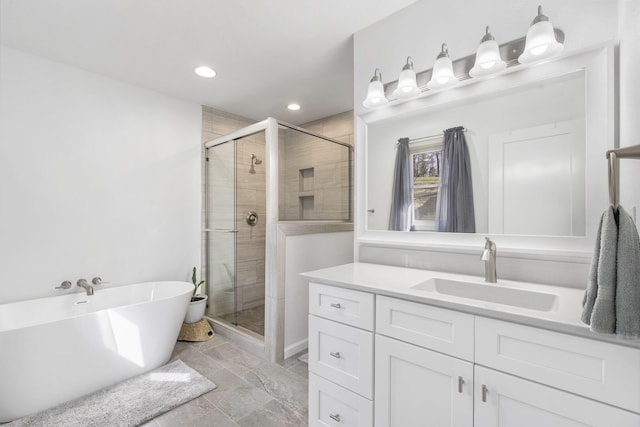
[489, 258]
[86, 286]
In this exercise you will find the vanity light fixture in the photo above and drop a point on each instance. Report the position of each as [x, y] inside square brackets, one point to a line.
[488, 60]
[541, 42]
[442, 76]
[407, 83]
[293, 107]
[375, 93]
[204, 71]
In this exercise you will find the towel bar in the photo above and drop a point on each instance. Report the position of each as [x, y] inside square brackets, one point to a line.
[632, 152]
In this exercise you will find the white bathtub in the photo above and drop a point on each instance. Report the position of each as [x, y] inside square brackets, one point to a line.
[60, 348]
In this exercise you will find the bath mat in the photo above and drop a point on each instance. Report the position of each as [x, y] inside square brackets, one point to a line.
[129, 403]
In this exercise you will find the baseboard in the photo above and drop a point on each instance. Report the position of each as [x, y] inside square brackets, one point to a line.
[296, 348]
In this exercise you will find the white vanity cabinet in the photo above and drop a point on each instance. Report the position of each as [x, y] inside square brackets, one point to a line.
[431, 366]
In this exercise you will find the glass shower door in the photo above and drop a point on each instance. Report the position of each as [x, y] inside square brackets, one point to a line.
[220, 229]
[236, 231]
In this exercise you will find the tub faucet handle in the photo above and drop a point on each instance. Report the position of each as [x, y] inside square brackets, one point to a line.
[96, 280]
[64, 285]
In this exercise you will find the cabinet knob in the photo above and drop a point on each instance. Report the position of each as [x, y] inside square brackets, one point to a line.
[336, 354]
[335, 305]
[485, 391]
[460, 384]
[335, 417]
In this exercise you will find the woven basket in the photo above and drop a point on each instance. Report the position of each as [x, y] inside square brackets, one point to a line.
[199, 331]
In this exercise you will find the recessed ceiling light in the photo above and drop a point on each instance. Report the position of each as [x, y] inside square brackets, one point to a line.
[204, 71]
[293, 107]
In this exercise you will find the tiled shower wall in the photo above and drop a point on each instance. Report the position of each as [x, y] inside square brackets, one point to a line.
[330, 163]
[315, 173]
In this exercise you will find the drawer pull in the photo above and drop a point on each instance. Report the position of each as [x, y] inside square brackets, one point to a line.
[336, 305]
[335, 417]
[484, 393]
[335, 354]
[460, 383]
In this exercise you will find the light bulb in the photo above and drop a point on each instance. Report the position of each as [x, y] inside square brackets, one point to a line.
[541, 42]
[407, 85]
[442, 75]
[488, 59]
[375, 92]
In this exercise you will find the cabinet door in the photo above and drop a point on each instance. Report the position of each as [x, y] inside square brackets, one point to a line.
[507, 401]
[419, 387]
[341, 354]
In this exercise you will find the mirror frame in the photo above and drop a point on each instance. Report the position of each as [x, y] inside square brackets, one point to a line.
[598, 65]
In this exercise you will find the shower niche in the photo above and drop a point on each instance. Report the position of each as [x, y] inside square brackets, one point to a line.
[282, 174]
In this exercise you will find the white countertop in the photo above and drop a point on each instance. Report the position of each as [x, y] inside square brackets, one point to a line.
[398, 281]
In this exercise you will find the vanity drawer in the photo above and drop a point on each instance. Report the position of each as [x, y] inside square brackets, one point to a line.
[346, 306]
[602, 371]
[438, 329]
[330, 405]
[342, 354]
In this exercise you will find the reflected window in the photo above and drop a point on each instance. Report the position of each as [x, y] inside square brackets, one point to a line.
[426, 163]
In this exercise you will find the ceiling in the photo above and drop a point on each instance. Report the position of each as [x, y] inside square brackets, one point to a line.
[267, 53]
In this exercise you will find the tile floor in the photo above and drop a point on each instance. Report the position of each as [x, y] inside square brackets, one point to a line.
[251, 391]
[249, 318]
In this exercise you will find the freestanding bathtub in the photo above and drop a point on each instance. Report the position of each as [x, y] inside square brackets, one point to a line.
[60, 348]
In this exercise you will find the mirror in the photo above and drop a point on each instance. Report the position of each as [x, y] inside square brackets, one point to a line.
[527, 150]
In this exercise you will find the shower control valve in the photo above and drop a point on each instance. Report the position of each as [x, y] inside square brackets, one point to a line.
[252, 218]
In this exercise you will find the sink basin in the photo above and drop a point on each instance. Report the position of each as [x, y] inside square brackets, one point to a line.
[491, 292]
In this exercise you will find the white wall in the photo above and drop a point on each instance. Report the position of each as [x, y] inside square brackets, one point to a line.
[629, 113]
[97, 177]
[306, 253]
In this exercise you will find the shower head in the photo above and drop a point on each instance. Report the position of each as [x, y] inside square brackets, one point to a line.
[255, 160]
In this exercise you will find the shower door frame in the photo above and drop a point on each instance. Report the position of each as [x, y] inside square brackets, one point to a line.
[272, 346]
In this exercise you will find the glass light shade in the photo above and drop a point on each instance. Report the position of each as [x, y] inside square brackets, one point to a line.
[488, 60]
[375, 92]
[442, 76]
[407, 83]
[541, 41]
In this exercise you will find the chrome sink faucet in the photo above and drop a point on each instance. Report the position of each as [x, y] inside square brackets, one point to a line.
[489, 258]
[86, 286]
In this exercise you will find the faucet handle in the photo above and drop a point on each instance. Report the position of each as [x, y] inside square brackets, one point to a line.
[64, 285]
[96, 280]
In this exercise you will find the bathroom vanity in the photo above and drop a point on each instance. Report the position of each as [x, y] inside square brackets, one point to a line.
[394, 346]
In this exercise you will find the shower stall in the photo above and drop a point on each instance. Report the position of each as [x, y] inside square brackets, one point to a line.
[256, 179]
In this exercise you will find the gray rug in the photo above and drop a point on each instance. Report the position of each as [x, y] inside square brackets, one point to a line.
[129, 403]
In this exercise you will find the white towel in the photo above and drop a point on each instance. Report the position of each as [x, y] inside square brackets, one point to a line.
[611, 302]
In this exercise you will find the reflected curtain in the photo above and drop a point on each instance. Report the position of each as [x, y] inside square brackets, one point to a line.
[401, 216]
[455, 196]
